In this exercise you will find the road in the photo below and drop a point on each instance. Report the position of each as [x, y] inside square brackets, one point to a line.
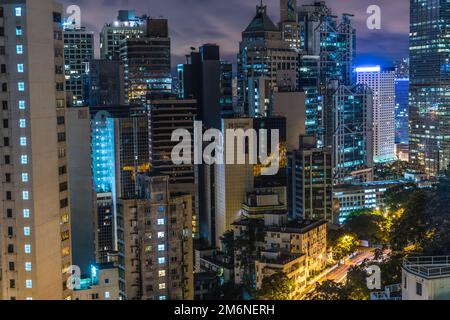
[340, 273]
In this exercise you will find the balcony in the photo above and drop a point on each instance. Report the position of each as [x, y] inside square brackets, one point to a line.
[428, 267]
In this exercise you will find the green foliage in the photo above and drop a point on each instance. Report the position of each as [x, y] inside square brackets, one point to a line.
[276, 287]
[367, 226]
[329, 290]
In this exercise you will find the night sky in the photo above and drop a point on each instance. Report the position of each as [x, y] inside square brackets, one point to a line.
[195, 22]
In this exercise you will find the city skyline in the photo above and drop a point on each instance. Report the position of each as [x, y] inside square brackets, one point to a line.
[224, 24]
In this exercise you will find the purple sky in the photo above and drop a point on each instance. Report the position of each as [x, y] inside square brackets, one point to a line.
[195, 22]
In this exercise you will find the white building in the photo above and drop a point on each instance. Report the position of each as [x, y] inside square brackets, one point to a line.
[382, 83]
[426, 278]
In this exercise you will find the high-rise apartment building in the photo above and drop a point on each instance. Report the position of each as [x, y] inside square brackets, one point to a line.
[127, 25]
[78, 51]
[429, 113]
[157, 242]
[147, 63]
[352, 139]
[382, 83]
[35, 245]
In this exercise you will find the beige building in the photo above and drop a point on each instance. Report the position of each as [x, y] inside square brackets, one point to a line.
[35, 246]
[156, 233]
[102, 284]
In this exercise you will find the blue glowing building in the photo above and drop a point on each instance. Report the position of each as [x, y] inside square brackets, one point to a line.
[402, 111]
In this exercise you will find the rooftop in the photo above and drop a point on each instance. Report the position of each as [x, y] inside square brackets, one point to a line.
[428, 267]
[300, 227]
[261, 22]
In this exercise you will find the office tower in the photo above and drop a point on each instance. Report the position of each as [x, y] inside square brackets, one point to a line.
[132, 152]
[288, 23]
[78, 51]
[157, 239]
[201, 78]
[35, 216]
[429, 81]
[291, 106]
[402, 102]
[352, 140]
[329, 49]
[226, 88]
[232, 182]
[310, 187]
[382, 83]
[80, 186]
[104, 84]
[127, 25]
[263, 54]
[147, 63]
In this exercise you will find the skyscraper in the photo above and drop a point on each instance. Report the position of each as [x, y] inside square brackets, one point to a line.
[429, 82]
[352, 139]
[289, 26]
[35, 237]
[127, 25]
[147, 63]
[264, 57]
[78, 51]
[383, 87]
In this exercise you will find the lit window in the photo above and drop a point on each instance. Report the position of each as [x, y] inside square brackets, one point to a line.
[161, 247]
[18, 11]
[29, 298]
[24, 177]
[160, 235]
[107, 295]
[161, 260]
[162, 297]
[24, 159]
[27, 266]
[23, 141]
[20, 67]
[19, 49]
[162, 286]
[162, 273]
[21, 104]
[27, 248]
[161, 222]
[18, 31]
[21, 86]
[29, 284]
[161, 209]
[26, 231]
[22, 123]
[26, 213]
[25, 195]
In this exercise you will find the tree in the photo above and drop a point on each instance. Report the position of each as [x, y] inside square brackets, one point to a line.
[342, 243]
[276, 287]
[329, 290]
[356, 285]
[367, 226]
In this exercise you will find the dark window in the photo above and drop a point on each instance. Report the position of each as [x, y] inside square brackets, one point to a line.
[57, 17]
[2, 32]
[5, 123]
[63, 187]
[10, 231]
[5, 105]
[10, 248]
[64, 203]
[4, 87]
[9, 213]
[7, 177]
[62, 170]
[418, 289]
[1, 12]
[60, 120]
[7, 160]
[61, 137]
[3, 68]
[2, 50]
[11, 266]
[12, 283]
[8, 195]
[6, 141]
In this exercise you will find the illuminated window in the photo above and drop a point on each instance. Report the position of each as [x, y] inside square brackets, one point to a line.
[162, 273]
[27, 248]
[21, 86]
[24, 159]
[161, 235]
[161, 260]
[161, 222]
[27, 266]
[161, 247]
[162, 298]
[19, 49]
[23, 141]
[18, 31]
[29, 284]
[21, 104]
[162, 286]
[22, 123]
[25, 195]
[26, 213]
[18, 11]
[107, 295]
[29, 298]
[20, 68]
[26, 231]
